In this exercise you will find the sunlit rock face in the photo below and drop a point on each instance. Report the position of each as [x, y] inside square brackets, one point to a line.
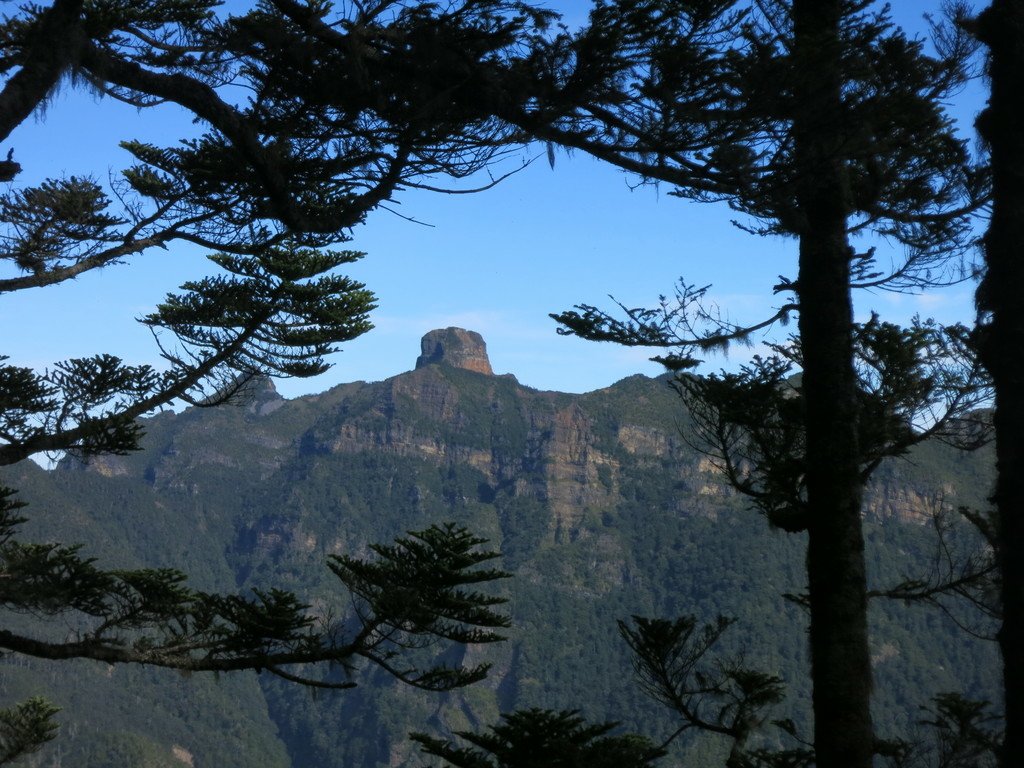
[456, 347]
[600, 503]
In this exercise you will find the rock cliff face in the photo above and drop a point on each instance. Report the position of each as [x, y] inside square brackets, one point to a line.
[597, 502]
[456, 347]
[576, 455]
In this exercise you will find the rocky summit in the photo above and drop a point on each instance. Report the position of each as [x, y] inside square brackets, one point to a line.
[456, 347]
[600, 505]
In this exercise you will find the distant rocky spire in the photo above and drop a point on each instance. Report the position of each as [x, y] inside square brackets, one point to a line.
[456, 347]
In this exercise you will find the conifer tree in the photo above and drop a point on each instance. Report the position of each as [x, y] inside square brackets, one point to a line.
[820, 121]
[346, 109]
[538, 738]
[1000, 335]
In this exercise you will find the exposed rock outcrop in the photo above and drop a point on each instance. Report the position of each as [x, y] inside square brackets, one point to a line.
[597, 502]
[456, 347]
[261, 396]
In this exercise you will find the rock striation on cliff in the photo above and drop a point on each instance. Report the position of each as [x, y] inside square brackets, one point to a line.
[599, 504]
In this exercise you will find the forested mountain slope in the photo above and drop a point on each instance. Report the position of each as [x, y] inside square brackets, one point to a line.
[600, 508]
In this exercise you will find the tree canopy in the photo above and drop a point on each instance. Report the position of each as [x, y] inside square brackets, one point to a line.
[341, 110]
[1000, 334]
[344, 109]
[820, 121]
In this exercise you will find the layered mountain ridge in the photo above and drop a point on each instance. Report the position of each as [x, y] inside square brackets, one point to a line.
[598, 503]
[502, 429]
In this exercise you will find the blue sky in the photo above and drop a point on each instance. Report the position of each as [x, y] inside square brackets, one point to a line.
[496, 262]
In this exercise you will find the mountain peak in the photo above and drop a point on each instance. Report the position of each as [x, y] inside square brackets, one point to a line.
[456, 347]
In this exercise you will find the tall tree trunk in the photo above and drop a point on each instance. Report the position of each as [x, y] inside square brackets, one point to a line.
[1001, 335]
[840, 661]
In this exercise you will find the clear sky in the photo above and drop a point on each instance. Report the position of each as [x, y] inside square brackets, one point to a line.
[496, 262]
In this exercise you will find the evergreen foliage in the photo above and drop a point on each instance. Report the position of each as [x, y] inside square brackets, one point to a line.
[819, 121]
[913, 384]
[348, 107]
[411, 595]
[968, 734]
[1000, 334]
[535, 738]
[25, 728]
[261, 495]
[671, 665]
[268, 185]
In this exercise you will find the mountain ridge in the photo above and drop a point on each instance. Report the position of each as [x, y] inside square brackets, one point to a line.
[597, 502]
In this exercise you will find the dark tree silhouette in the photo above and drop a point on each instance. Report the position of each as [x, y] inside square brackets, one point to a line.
[343, 109]
[1000, 335]
[537, 738]
[818, 120]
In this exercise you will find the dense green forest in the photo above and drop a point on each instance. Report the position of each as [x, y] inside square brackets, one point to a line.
[819, 123]
[600, 509]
